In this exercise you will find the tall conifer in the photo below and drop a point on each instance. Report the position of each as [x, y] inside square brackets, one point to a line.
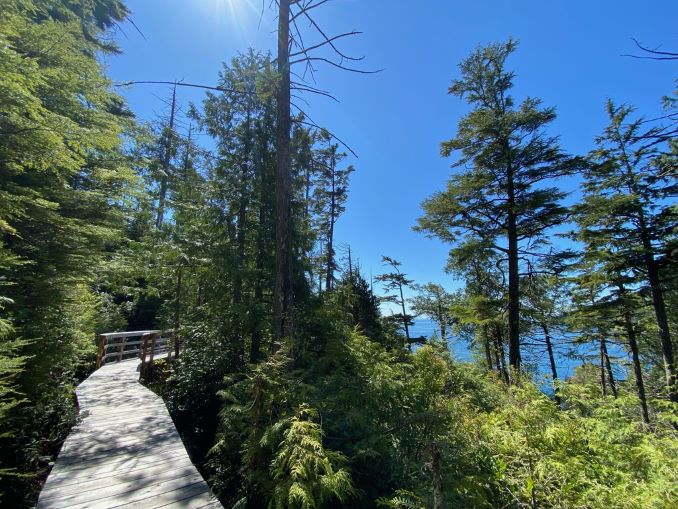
[502, 198]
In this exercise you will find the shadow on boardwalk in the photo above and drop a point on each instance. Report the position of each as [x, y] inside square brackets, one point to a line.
[125, 451]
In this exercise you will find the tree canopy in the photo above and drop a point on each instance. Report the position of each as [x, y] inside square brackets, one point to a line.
[299, 381]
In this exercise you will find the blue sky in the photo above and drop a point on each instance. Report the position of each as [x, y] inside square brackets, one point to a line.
[569, 55]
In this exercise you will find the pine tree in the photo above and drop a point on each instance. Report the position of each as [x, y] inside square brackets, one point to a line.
[481, 305]
[626, 217]
[436, 303]
[241, 121]
[394, 283]
[330, 194]
[503, 201]
[545, 307]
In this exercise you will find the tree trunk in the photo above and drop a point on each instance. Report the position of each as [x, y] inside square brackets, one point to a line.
[407, 327]
[549, 349]
[656, 289]
[177, 309]
[307, 191]
[637, 369]
[501, 361]
[283, 297]
[441, 320]
[486, 344]
[307, 213]
[437, 477]
[350, 265]
[552, 359]
[498, 359]
[513, 277]
[660, 312]
[166, 159]
[330, 234]
[608, 367]
[603, 382]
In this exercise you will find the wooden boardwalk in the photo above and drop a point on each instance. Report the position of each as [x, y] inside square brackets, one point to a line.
[125, 452]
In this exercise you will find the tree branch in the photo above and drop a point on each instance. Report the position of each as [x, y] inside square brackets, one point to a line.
[325, 43]
[661, 55]
[335, 64]
[180, 84]
[309, 6]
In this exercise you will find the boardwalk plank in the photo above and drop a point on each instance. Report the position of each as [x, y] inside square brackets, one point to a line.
[83, 479]
[156, 500]
[126, 486]
[110, 496]
[193, 503]
[125, 451]
[121, 464]
[161, 472]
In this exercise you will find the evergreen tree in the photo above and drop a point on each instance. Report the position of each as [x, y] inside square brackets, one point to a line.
[396, 282]
[292, 50]
[105, 224]
[64, 184]
[436, 303]
[241, 121]
[627, 219]
[592, 320]
[503, 201]
[545, 308]
[355, 297]
[283, 294]
[331, 193]
[481, 305]
[167, 152]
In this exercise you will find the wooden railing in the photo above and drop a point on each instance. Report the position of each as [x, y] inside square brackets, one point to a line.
[118, 346]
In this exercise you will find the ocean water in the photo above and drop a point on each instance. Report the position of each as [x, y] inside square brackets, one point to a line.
[567, 357]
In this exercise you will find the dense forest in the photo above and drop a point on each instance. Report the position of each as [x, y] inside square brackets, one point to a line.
[294, 387]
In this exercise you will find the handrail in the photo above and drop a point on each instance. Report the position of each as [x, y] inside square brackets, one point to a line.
[116, 345]
[127, 334]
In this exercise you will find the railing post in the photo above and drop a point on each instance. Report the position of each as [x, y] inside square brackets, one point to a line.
[154, 337]
[171, 342]
[100, 351]
[115, 345]
[144, 347]
[143, 352]
[121, 348]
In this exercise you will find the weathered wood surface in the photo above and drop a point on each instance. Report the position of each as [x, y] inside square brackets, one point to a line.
[116, 345]
[125, 452]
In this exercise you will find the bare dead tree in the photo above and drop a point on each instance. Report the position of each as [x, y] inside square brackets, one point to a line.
[293, 50]
[283, 290]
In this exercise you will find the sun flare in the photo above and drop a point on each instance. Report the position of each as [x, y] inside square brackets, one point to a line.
[237, 12]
